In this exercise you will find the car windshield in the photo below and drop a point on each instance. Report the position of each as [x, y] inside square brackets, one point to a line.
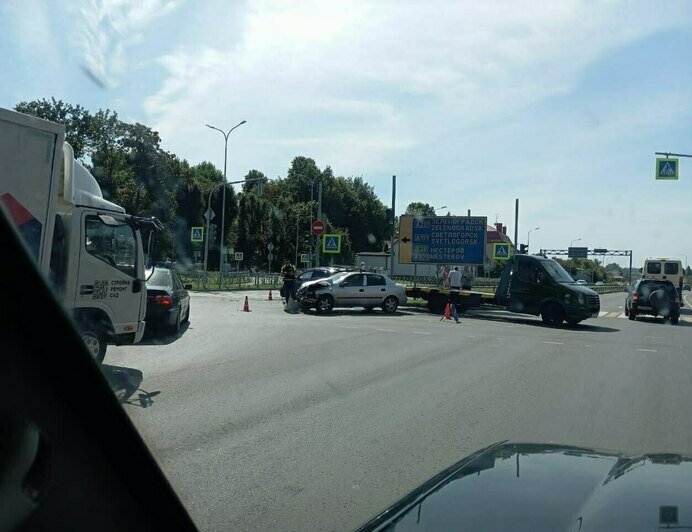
[285, 160]
[556, 272]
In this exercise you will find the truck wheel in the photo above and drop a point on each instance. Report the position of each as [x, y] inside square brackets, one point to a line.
[95, 343]
[552, 313]
[390, 304]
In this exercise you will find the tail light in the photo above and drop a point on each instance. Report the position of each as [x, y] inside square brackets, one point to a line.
[163, 300]
[635, 296]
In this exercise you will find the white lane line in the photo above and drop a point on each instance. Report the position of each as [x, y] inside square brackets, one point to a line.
[385, 330]
[587, 345]
[470, 336]
[350, 327]
[654, 337]
[647, 350]
[420, 332]
[554, 343]
[620, 306]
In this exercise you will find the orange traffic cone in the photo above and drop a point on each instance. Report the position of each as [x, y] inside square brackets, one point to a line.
[270, 298]
[246, 306]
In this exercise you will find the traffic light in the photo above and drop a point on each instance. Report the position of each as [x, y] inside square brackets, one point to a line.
[212, 234]
[523, 249]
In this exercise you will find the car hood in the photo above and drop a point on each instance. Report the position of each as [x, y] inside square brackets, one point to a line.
[324, 282]
[529, 486]
[580, 289]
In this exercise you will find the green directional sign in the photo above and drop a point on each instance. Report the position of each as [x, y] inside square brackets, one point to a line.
[197, 234]
[666, 169]
[501, 251]
[331, 243]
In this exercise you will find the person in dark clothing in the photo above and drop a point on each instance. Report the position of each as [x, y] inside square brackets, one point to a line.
[288, 273]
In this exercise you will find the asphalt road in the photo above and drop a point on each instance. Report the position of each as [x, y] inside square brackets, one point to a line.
[274, 421]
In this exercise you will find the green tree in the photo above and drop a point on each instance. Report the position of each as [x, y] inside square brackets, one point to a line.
[420, 209]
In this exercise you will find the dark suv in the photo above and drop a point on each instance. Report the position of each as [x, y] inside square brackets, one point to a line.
[653, 298]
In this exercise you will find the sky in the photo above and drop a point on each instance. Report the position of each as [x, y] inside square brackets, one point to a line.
[470, 104]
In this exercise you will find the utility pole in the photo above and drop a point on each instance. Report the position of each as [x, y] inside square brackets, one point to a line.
[393, 235]
[319, 217]
[516, 224]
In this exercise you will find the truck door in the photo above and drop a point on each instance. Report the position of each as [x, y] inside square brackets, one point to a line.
[107, 278]
[526, 294]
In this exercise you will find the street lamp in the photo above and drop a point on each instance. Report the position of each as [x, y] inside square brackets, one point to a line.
[439, 208]
[573, 241]
[223, 200]
[683, 255]
[528, 239]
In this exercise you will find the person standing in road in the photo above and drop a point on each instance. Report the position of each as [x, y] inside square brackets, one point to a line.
[288, 273]
[455, 279]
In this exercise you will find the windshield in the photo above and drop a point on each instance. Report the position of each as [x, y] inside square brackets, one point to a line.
[556, 272]
[483, 155]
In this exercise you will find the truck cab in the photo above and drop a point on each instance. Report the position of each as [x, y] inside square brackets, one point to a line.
[533, 284]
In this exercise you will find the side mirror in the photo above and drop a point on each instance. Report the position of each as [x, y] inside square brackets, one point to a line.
[187, 287]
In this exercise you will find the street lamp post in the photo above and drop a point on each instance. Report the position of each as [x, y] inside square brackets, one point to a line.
[573, 241]
[683, 255]
[223, 200]
[528, 239]
[439, 208]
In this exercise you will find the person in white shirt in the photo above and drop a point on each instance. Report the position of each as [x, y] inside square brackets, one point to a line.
[455, 279]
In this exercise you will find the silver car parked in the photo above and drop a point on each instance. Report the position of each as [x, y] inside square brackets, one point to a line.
[352, 289]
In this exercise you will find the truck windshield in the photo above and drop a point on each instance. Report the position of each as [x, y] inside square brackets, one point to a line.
[115, 245]
[556, 272]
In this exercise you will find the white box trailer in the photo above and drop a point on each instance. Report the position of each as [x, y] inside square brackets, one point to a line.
[89, 248]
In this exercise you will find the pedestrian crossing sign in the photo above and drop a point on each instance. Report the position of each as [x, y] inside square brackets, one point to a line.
[501, 251]
[197, 234]
[666, 168]
[331, 243]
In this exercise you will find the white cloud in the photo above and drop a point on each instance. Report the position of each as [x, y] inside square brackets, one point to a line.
[402, 71]
[107, 28]
[30, 23]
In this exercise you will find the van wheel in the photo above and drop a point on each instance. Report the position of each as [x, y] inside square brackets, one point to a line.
[95, 343]
[552, 313]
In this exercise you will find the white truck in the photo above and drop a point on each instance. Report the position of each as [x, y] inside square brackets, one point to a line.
[88, 248]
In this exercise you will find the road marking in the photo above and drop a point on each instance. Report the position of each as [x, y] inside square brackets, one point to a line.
[654, 337]
[385, 330]
[602, 313]
[554, 343]
[350, 327]
[420, 332]
[647, 350]
[587, 345]
[470, 336]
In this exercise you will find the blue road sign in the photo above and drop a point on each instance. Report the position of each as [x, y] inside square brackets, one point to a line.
[666, 168]
[501, 251]
[197, 234]
[443, 240]
[331, 243]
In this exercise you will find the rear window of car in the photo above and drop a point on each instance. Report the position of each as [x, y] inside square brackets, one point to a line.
[376, 280]
[160, 278]
[671, 268]
[320, 274]
[653, 268]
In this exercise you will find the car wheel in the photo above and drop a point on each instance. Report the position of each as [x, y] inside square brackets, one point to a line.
[175, 328]
[674, 319]
[632, 315]
[325, 303]
[368, 308]
[95, 344]
[552, 313]
[573, 322]
[390, 304]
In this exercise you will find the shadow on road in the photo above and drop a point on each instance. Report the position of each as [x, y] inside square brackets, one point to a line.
[537, 322]
[158, 335]
[125, 382]
[358, 312]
